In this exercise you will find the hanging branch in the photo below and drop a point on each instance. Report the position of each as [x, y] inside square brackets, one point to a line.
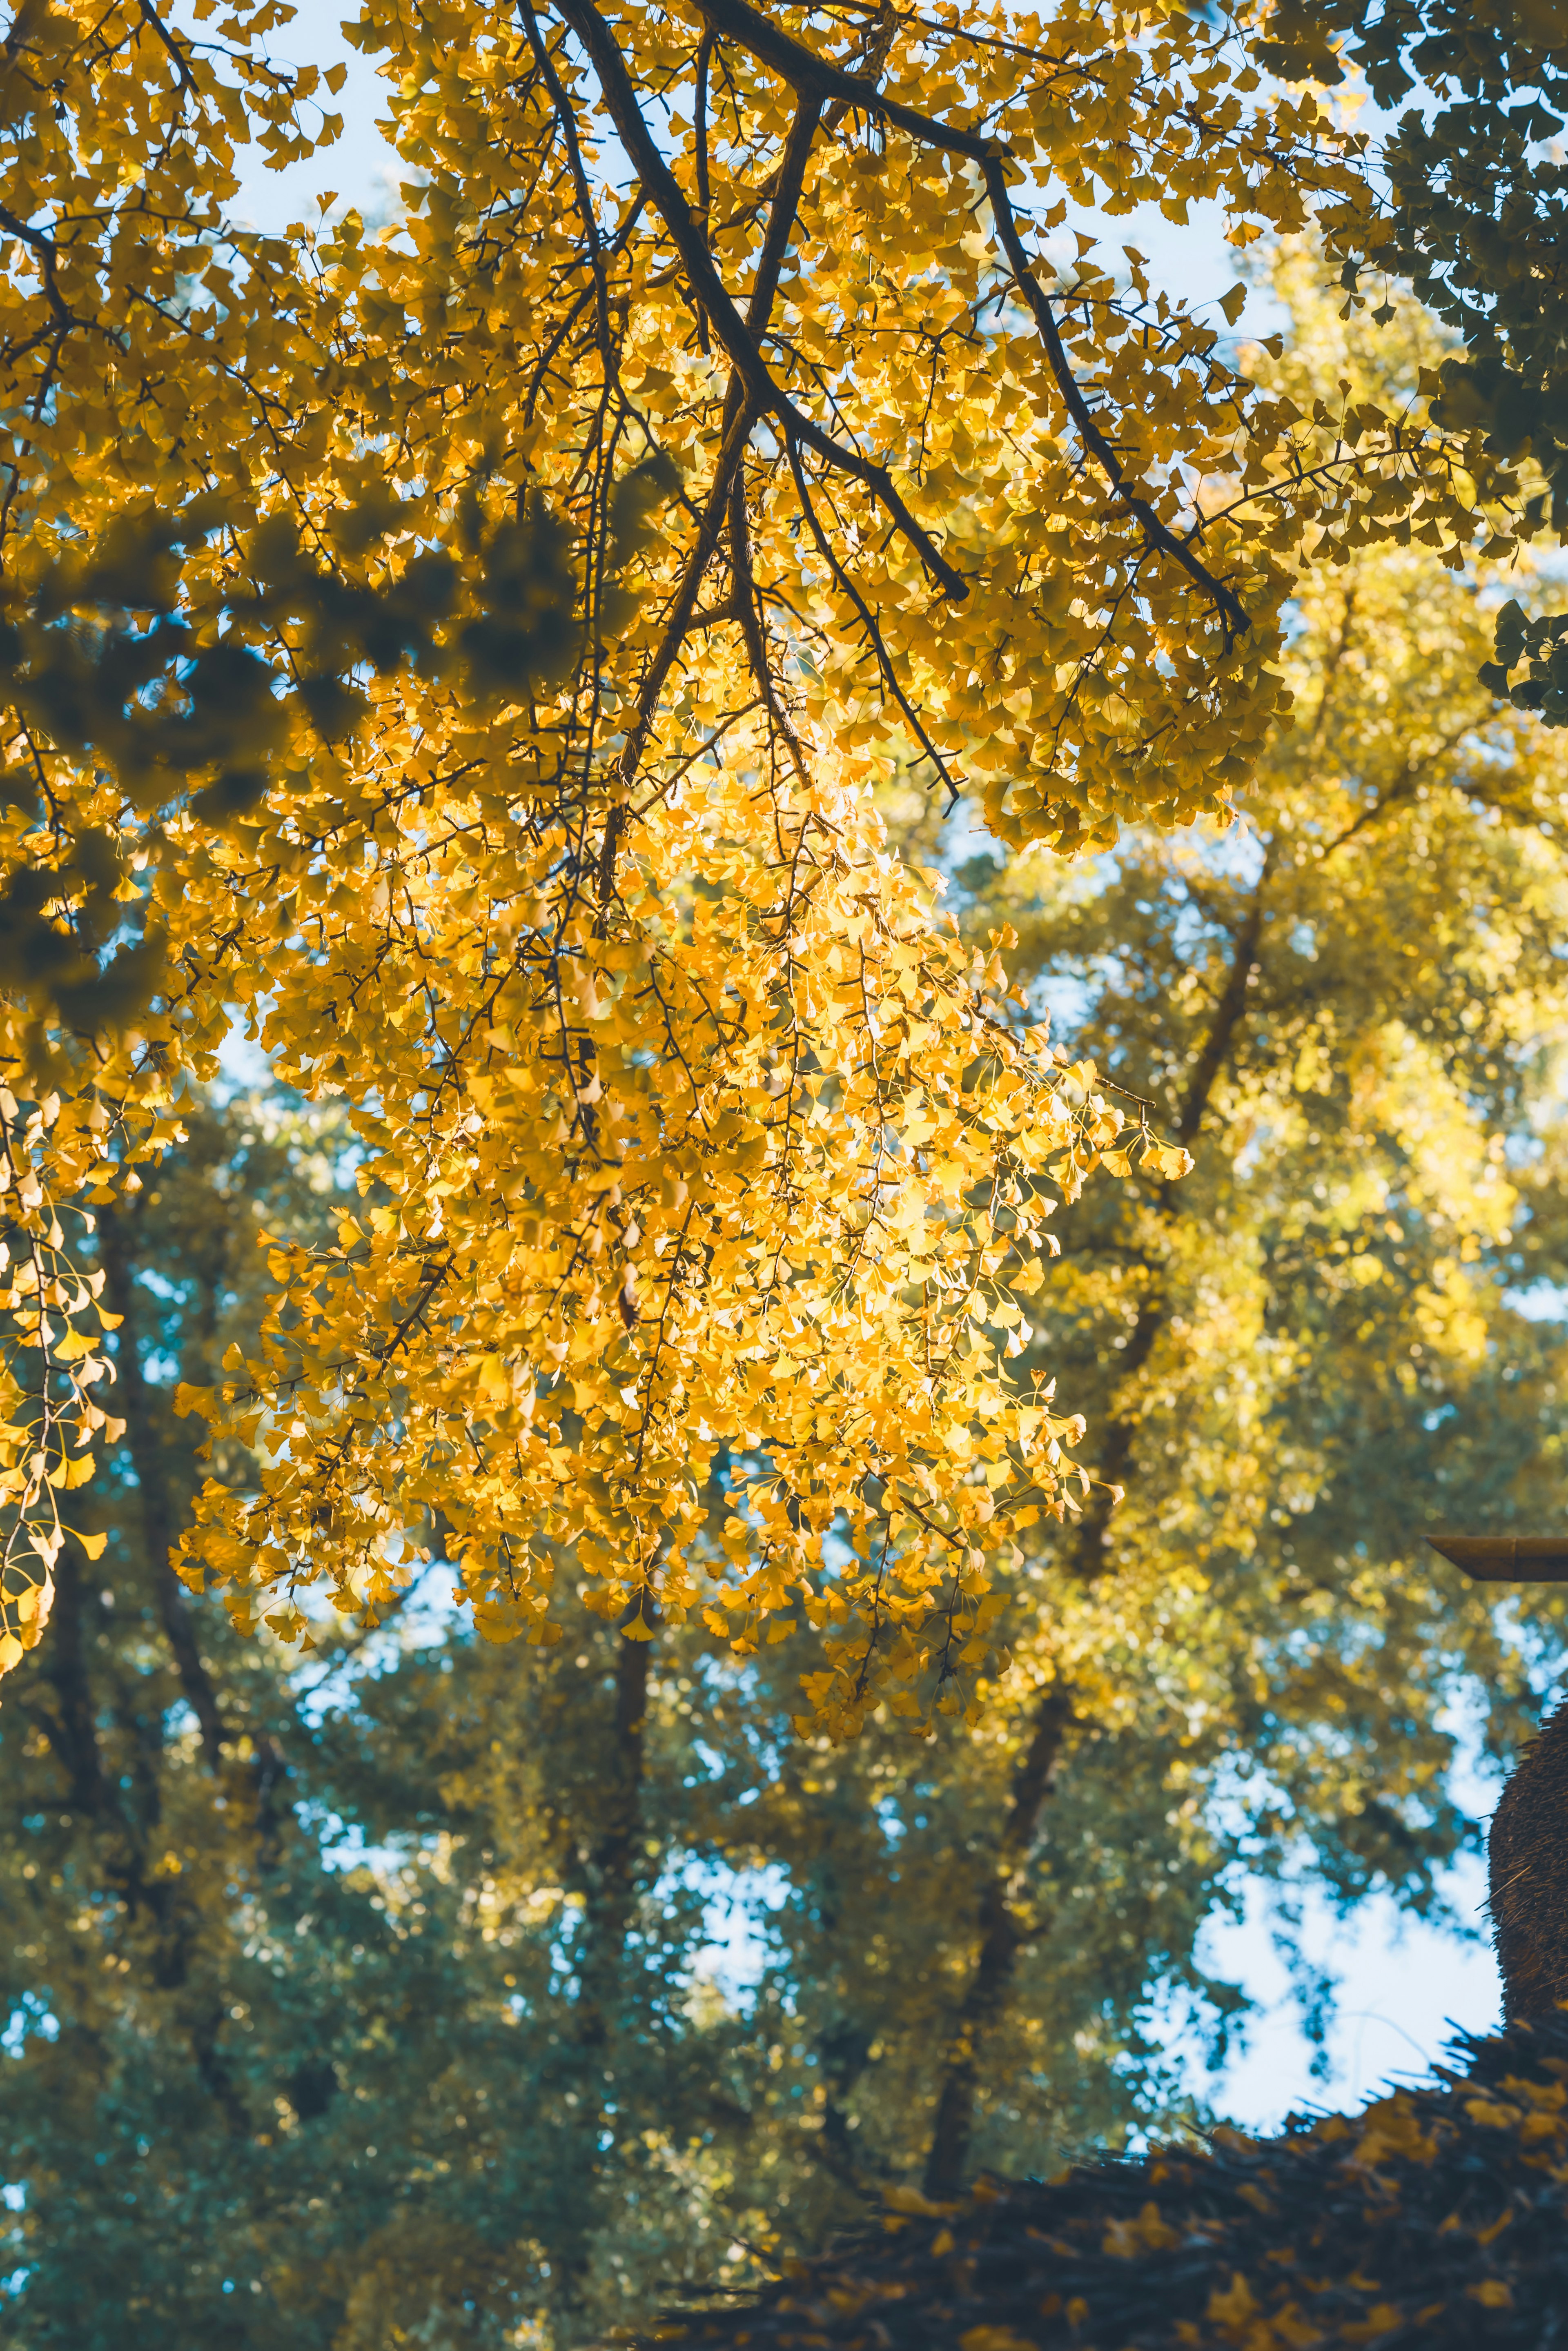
[747, 611]
[768, 397]
[739, 416]
[806, 71]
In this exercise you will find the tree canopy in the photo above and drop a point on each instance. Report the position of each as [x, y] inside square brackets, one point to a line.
[515, 663]
[394, 1989]
[471, 648]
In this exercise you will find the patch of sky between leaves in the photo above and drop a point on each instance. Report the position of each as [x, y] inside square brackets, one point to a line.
[1190, 261]
[1540, 1302]
[1400, 1986]
[244, 1066]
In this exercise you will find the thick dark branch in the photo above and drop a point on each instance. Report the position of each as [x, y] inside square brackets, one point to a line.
[767, 398]
[790, 180]
[159, 31]
[805, 71]
[879, 41]
[738, 418]
[1158, 534]
[713, 616]
[699, 134]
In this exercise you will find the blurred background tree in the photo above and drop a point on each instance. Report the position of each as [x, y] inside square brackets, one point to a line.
[438, 1994]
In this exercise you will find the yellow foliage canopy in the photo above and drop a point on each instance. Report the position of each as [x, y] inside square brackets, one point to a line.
[562, 568]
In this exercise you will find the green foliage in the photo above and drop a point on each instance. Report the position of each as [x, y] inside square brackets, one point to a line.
[1477, 214]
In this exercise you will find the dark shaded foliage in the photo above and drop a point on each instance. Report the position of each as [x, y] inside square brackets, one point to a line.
[116, 656]
[1434, 2218]
[1477, 222]
[1529, 1852]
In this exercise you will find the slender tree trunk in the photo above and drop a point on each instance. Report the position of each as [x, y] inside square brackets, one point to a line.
[128, 1809]
[610, 1872]
[999, 1935]
[1119, 1433]
[1228, 1012]
[998, 1929]
[72, 1728]
[157, 1529]
[124, 1821]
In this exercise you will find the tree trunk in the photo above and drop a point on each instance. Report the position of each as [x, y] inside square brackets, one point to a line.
[158, 1528]
[610, 1873]
[1000, 1935]
[71, 1727]
[998, 1930]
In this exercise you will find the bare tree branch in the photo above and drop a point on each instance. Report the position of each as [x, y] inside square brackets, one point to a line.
[806, 71]
[768, 398]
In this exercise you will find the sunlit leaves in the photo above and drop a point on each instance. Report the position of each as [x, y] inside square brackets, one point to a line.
[564, 566]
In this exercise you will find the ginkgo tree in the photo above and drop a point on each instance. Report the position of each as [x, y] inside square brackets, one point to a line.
[472, 648]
